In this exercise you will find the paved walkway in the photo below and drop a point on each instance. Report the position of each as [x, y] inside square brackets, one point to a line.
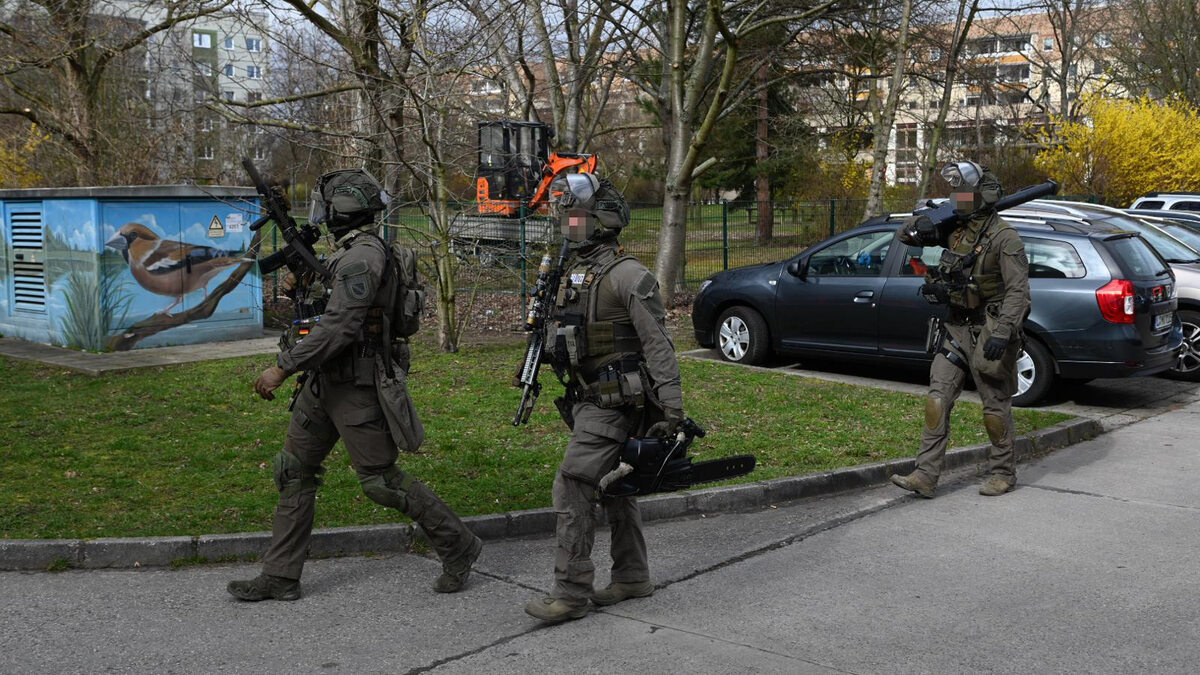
[94, 364]
[1088, 567]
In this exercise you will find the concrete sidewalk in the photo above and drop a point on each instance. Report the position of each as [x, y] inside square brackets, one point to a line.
[94, 364]
[1088, 567]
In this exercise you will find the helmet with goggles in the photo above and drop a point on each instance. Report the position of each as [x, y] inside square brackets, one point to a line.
[589, 208]
[347, 198]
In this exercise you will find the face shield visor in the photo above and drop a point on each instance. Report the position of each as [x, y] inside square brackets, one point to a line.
[578, 190]
[318, 208]
[963, 175]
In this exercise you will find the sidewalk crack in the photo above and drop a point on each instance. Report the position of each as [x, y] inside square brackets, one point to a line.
[1126, 500]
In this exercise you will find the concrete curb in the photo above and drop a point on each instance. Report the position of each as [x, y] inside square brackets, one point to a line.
[43, 554]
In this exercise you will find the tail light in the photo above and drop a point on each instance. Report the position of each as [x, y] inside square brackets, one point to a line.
[1116, 300]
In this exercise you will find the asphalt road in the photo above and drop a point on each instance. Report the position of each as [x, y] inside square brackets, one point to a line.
[1090, 566]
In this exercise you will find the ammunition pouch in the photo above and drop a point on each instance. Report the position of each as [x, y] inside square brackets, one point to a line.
[617, 384]
[935, 293]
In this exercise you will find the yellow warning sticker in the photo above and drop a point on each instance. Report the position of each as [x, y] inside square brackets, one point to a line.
[215, 228]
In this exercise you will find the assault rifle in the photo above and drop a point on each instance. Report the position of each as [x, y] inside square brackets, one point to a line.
[297, 252]
[649, 465]
[540, 301]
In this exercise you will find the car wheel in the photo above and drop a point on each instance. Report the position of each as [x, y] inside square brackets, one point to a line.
[742, 336]
[1188, 365]
[1035, 373]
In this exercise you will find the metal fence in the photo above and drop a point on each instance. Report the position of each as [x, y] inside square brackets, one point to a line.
[502, 255]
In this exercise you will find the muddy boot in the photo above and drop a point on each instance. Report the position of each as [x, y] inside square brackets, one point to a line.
[265, 587]
[555, 610]
[455, 573]
[617, 592]
[995, 486]
[916, 482]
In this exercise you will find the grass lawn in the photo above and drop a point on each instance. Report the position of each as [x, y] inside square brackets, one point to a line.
[187, 449]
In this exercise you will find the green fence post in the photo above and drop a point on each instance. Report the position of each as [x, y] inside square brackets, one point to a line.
[832, 216]
[724, 234]
[524, 258]
[275, 272]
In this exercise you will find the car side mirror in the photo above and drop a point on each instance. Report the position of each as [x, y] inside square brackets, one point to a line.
[798, 268]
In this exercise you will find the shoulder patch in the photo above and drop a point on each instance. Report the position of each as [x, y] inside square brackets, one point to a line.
[355, 278]
[646, 286]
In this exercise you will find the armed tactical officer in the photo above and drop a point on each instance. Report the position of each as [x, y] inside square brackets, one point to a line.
[608, 332]
[983, 277]
[355, 360]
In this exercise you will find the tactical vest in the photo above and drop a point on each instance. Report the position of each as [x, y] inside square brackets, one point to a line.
[603, 357]
[961, 270]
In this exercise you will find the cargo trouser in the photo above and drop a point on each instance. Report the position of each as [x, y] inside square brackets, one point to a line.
[945, 385]
[593, 450]
[325, 411]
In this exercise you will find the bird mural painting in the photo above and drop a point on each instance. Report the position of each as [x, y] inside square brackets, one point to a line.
[168, 267]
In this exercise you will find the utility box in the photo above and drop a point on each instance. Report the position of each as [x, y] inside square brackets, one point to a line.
[114, 268]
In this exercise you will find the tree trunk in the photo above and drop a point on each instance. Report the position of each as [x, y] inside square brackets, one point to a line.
[887, 117]
[929, 162]
[762, 180]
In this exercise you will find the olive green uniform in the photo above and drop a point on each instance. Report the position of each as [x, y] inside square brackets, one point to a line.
[340, 399]
[625, 363]
[995, 302]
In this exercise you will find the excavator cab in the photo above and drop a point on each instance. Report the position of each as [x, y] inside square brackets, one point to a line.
[512, 161]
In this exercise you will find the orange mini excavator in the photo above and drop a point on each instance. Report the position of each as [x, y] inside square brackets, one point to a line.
[513, 179]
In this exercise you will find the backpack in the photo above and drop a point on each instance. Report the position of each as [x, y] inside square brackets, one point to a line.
[408, 300]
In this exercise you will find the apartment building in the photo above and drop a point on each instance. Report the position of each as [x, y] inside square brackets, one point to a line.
[221, 57]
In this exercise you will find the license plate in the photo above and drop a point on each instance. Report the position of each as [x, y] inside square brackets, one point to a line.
[1163, 321]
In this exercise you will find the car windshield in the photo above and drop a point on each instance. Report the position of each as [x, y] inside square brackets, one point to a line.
[1171, 249]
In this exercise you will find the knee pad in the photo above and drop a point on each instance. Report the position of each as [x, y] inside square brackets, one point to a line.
[388, 488]
[997, 430]
[935, 408]
[293, 476]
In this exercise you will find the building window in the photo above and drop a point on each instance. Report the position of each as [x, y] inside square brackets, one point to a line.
[1048, 44]
[205, 69]
[253, 44]
[935, 54]
[228, 42]
[254, 72]
[229, 70]
[1103, 41]
[1013, 73]
[253, 96]
[202, 40]
[206, 124]
[260, 153]
[229, 95]
[1098, 68]
[205, 152]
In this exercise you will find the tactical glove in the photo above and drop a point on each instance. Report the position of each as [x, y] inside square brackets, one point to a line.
[994, 348]
[672, 419]
[269, 381]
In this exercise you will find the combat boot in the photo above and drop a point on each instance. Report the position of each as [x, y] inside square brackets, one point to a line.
[995, 486]
[916, 482]
[555, 610]
[455, 573]
[618, 591]
[265, 587]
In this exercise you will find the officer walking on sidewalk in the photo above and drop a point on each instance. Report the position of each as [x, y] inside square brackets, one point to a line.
[607, 329]
[983, 277]
[356, 361]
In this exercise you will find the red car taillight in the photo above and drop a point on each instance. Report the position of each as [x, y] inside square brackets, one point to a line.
[1116, 299]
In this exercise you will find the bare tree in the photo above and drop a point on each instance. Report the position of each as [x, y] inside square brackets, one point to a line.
[77, 70]
[885, 111]
[1158, 54]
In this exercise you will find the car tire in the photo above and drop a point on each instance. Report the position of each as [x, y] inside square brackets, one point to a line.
[1188, 366]
[1035, 373]
[742, 336]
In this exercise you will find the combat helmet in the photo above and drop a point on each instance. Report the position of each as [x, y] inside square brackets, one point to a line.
[969, 176]
[591, 209]
[347, 198]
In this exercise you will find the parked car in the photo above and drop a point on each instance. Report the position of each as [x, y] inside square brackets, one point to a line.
[1103, 304]
[1176, 242]
[1170, 201]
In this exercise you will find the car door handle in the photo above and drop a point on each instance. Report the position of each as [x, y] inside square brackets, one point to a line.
[864, 296]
